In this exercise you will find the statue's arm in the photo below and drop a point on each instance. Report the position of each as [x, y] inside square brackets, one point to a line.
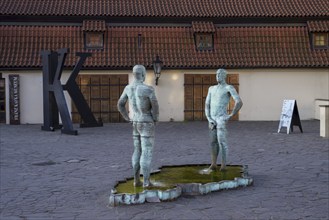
[207, 107]
[122, 105]
[154, 105]
[237, 100]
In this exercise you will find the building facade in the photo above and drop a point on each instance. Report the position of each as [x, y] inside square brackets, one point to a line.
[272, 52]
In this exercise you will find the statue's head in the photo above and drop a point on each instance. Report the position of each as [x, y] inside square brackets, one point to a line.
[139, 72]
[221, 75]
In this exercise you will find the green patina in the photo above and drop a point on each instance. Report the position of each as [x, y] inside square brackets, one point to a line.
[170, 176]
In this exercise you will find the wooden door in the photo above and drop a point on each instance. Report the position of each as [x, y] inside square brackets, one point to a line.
[196, 88]
[101, 93]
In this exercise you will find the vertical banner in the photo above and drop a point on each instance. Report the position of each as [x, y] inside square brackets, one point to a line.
[14, 99]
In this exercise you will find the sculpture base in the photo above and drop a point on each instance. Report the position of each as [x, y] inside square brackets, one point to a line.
[169, 182]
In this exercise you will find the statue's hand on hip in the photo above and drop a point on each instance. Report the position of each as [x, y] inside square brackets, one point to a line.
[227, 117]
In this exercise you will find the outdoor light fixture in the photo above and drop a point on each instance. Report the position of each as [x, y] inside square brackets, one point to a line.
[157, 65]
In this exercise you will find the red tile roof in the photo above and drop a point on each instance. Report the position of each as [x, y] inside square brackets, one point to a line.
[168, 8]
[203, 27]
[94, 25]
[318, 26]
[234, 47]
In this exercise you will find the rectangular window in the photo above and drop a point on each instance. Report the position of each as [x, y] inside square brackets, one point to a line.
[204, 41]
[94, 40]
[320, 40]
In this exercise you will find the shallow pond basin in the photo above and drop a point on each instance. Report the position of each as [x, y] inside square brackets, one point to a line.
[169, 176]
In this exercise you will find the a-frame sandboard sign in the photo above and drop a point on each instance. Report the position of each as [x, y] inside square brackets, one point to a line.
[289, 116]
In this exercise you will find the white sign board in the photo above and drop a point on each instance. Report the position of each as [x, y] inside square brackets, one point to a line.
[286, 113]
[289, 116]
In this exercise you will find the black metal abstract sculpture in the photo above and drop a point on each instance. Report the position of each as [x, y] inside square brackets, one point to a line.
[53, 93]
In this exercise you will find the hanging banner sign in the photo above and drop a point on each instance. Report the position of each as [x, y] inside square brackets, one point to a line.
[14, 99]
[289, 116]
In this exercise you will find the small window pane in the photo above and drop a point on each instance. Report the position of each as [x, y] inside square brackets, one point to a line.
[204, 41]
[94, 40]
[320, 39]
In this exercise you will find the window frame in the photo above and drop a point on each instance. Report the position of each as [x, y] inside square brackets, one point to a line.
[197, 41]
[94, 46]
[326, 40]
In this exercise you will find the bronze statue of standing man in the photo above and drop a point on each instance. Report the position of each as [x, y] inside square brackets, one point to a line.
[145, 108]
[217, 101]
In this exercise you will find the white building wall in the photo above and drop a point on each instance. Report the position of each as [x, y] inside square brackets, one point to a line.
[31, 95]
[31, 105]
[170, 94]
[262, 91]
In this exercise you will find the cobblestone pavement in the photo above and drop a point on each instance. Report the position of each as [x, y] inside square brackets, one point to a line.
[49, 175]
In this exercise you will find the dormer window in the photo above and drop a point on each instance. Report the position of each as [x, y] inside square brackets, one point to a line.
[319, 34]
[94, 40]
[94, 31]
[320, 40]
[204, 41]
[203, 35]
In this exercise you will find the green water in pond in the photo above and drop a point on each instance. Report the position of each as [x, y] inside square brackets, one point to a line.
[168, 177]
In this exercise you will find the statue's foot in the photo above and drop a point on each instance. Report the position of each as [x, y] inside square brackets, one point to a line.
[213, 167]
[137, 183]
[222, 168]
[147, 184]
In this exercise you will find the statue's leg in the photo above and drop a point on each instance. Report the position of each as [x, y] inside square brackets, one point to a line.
[136, 156]
[222, 139]
[147, 141]
[146, 159]
[214, 148]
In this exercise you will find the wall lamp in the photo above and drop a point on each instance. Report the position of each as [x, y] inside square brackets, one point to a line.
[157, 65]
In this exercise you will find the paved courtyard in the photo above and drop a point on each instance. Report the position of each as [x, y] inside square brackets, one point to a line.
[49, 175]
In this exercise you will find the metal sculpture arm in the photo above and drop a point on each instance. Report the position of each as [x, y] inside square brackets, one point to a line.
[155, 106]
[122, 105]
[237, 100]
[212, 122]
